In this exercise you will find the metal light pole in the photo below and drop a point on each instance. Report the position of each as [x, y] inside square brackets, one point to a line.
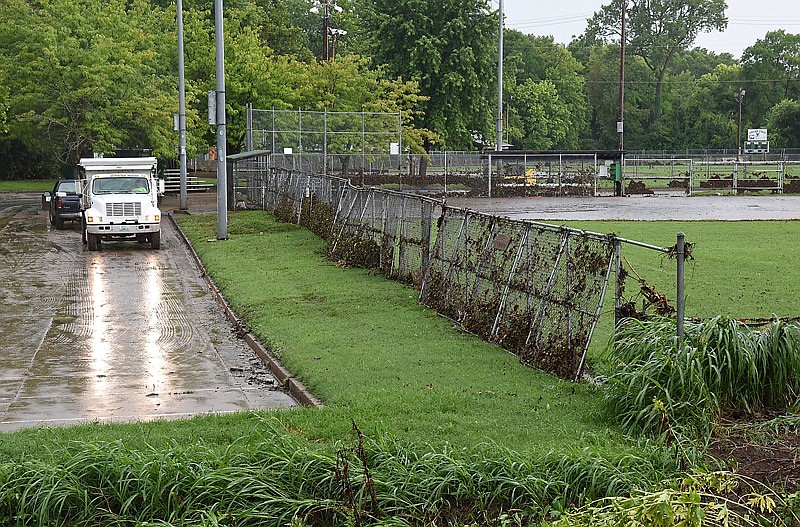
[739, 98]
[222, 138]
[499, 147]
[181, 110]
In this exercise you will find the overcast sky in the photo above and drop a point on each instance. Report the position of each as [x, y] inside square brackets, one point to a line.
[748, 20]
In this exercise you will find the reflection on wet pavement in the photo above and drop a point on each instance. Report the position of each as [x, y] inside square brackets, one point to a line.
[123, 334]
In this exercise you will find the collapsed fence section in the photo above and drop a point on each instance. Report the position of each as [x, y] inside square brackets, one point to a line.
[535, 289]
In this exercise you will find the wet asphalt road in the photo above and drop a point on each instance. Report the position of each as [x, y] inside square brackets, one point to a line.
[124, 334]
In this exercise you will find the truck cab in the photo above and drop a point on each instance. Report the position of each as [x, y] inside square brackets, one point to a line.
[120, 201]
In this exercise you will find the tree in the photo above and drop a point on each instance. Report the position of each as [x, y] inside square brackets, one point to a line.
[449, 49]
[86, 75]
[701, 112]
[531, 61]
[4, 97]
[602, 83]
[784, 124]
[657, 30]
[772, 67]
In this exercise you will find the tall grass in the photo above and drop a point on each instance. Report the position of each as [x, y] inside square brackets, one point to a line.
[722, 365]
[283, 479]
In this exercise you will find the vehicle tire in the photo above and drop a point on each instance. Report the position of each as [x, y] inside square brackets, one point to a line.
[155, 241]
[52, 218]
[93, 241]
[59, 223]
[83, 230]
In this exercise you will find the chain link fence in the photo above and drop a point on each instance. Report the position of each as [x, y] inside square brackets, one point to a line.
[533, 288]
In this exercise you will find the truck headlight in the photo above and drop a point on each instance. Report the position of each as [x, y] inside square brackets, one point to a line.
[155, 217]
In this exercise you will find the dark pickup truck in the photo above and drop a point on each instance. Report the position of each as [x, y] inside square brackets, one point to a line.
[64, 202]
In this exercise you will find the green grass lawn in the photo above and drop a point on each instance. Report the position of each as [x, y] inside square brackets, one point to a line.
[372, 353]
[743, 269]
[375, 355]
[32, 185]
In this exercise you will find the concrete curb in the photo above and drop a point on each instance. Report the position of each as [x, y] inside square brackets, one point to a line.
[295, 388]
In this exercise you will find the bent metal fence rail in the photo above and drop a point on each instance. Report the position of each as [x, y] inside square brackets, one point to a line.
[533, 288]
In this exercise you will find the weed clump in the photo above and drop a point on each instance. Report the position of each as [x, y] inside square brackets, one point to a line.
[661, 386]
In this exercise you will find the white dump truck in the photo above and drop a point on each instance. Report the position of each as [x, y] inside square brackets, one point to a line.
[120, 200]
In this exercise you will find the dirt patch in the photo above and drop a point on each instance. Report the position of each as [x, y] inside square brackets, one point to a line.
[770, 457]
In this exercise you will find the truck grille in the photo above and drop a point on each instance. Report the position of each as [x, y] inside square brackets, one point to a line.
[123, 209]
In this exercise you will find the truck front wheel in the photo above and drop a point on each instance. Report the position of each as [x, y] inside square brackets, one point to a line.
[155, 240]
[93, 241]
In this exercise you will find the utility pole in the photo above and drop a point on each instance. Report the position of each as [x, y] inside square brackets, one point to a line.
[499, 127]
[325, 16]
[183, 205]
[222, 138]
[621, 122]
[739, 98]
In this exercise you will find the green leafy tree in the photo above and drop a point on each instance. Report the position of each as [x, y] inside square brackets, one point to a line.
[700, 113]
[772, 68]
[657, 31]
[85, 75]
[449, 49]
[784, 124]
[4, 98]
[699, 61]
[602, 83]
[534, 66]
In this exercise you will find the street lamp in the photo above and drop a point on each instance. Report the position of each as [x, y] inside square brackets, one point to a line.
[739, 98]
[326, 5]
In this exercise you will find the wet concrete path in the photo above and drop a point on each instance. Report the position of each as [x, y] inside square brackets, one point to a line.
[123, 334]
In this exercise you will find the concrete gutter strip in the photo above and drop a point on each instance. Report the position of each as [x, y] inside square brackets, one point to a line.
[295, 388]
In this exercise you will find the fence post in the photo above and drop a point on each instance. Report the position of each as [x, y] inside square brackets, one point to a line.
[679, 301]
[490, 175]
[618, 285]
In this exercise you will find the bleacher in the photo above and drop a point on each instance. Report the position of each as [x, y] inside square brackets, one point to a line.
[172, 182]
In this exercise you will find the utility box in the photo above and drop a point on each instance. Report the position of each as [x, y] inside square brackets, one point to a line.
[615, 172]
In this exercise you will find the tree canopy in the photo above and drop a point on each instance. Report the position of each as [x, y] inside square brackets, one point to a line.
[83, 76]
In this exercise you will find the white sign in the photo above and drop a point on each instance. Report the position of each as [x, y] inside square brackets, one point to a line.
[212, 107]
[756, 134]
[394, 148]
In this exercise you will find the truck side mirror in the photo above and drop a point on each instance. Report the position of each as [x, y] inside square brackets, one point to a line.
[161, 186]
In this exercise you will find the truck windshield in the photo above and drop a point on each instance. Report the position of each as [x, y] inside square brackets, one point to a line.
[121, 185]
